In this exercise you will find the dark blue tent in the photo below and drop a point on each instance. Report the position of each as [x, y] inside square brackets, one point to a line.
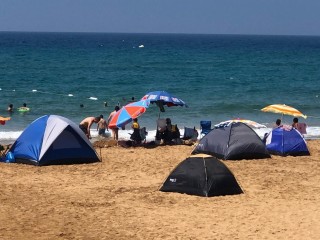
[235, 141]
[51, 140]
[282, 141]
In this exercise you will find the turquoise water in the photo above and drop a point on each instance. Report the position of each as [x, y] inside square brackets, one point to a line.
[219, 76]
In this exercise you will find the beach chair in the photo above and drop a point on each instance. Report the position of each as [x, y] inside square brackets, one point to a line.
[190, 134]
[161, 124]
[143, 134]
[205, 127]
[161, 128]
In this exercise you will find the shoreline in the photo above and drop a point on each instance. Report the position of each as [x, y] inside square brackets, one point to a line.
[10, 137]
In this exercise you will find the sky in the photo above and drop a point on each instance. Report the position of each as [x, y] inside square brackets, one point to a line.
[267, 17]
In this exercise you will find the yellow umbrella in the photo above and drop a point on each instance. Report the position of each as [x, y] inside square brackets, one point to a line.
[283, 109]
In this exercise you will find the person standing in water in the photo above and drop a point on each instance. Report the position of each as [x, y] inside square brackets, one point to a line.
[10, 108]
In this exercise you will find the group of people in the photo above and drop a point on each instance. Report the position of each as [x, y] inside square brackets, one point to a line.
[11, 110]
[295, 124]
[168, 133]
[102, 125]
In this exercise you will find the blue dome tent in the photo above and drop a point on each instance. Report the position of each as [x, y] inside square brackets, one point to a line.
[52, 140]
[282, 141]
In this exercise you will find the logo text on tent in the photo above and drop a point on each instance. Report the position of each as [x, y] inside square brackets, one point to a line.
[172, 179]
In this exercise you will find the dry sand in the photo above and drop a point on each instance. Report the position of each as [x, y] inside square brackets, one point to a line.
[119, 199]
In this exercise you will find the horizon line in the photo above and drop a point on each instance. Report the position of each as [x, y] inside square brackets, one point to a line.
[162, 33]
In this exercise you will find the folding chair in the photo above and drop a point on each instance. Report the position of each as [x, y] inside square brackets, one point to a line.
[205, 127]
[190, 133]
[161, 128]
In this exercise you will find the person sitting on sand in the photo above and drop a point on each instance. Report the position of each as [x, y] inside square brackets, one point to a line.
[86, 123]
[102, 126]
[136, 137]
[172, 132]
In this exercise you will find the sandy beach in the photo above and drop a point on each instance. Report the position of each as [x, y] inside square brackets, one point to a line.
[118, 198]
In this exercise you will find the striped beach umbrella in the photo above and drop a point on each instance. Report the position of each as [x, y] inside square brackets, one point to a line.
[163, 98]
[127, 113]
[283, 109]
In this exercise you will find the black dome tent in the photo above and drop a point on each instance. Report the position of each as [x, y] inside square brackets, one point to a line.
[202, 175]
[233, 142]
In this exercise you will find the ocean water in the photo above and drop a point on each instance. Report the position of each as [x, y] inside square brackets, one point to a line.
[220, 77]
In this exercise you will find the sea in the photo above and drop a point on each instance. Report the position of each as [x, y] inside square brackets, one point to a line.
[220, 77]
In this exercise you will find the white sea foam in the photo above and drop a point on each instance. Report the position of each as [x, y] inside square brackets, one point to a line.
[10, 136]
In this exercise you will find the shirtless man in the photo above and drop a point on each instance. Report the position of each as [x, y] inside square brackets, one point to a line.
[102, 126]
[86, 123]
[114, 130]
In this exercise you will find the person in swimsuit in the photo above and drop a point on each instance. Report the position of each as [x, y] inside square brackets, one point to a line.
[295, 123]
[23, 108]
[114, 130]
[10, 108]
[102, 126]
[86, 123]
